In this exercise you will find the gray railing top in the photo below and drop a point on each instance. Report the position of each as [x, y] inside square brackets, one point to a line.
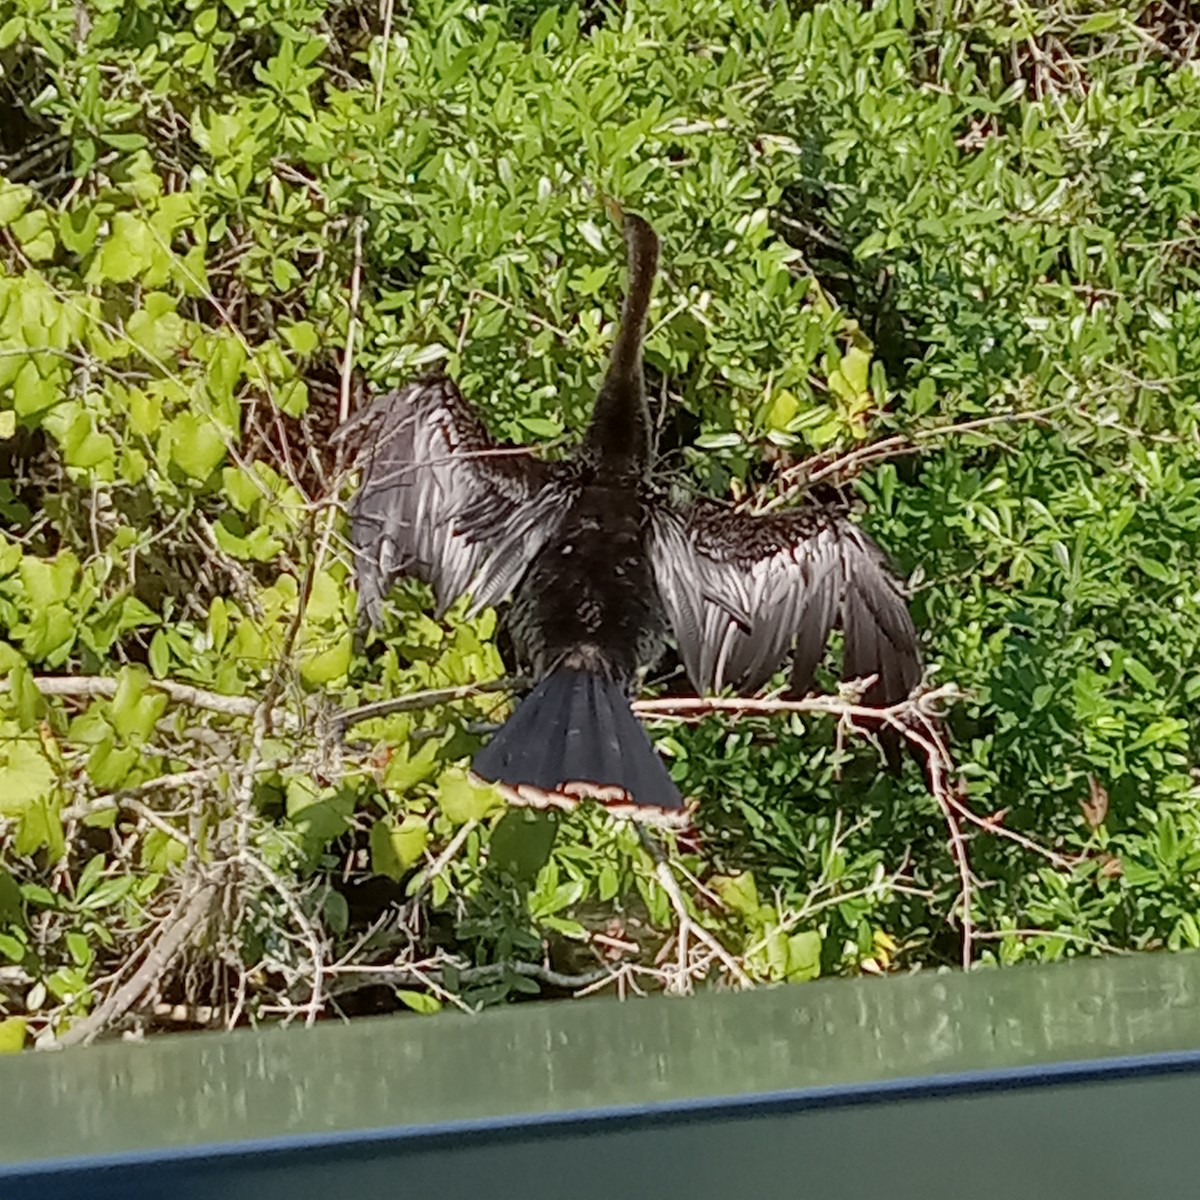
[808, 1043]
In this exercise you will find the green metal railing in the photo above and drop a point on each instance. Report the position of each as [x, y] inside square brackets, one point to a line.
[1077, 1079]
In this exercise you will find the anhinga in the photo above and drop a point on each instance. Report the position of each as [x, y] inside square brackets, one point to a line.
[599, 566]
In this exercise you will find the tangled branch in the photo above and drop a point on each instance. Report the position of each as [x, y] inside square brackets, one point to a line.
[161, 952]
[917, 719]
[319, 980]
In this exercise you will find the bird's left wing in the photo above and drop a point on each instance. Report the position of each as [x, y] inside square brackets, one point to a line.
[741, 591]
[440, 500]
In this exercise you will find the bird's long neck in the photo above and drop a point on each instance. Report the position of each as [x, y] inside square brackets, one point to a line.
[617, 441]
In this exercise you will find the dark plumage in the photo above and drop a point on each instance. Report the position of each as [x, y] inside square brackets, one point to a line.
[599, 566]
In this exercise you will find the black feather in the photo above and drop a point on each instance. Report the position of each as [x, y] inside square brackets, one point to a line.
[597, 564]
[576, 730]
[440, 500]
[741, 591]
[812, 637]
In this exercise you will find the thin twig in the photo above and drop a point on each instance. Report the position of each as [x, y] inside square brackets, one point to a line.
[669, 884]
[814, 469]
[998, 935]
[388, 9]
[169, 940]
[692, 707]
[915, 718]
[427, 699]
[182, 693]
[127, 797]
[316, 1000]
[86, 686]
[687, 924]
[940, 765]
[351, 327]
[351, 978]
[425, 879]
[992, 826]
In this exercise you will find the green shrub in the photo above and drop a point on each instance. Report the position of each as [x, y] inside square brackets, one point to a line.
[977, 238]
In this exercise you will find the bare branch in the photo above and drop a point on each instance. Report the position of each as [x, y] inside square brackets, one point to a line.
[168, 942]
[427, 699]
[352, 326]
[691, 708]
[352, 978]
[818, 467]
[688, 925]
[84, 686]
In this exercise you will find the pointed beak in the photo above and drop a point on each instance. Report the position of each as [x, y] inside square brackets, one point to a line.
[615, 211]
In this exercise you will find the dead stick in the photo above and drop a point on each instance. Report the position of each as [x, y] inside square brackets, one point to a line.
[172, 937]
[427, 699]
[351, 327]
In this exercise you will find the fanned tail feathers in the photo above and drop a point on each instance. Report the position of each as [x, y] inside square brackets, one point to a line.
[573, 736]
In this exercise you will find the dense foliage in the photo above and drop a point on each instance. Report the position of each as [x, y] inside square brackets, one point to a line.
[949, 259]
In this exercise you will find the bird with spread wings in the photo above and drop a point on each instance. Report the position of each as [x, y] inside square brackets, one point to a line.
[600, 569]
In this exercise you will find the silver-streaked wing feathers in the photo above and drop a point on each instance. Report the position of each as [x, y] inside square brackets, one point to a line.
[440, 500]
[742, 591]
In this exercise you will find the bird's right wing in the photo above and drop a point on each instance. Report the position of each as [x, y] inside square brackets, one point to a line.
[741, 591]
[440, 500]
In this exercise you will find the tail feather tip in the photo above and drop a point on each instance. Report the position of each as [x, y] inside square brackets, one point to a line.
[548, 756]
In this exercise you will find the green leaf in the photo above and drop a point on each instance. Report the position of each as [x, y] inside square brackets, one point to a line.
[420, 1002]
[33, 394]
[803, 956]
[542, 27]
[739, 892]
[26, 773]
[156, 329]
[49, 581]
[14, 199]
[784, 407]
[336, 911]
[301, 336]
[85, 448]
[12, 1034]
[284, 275]
[855, 368]
[1155, 569]
[395, 848]
[161, 851]
[324, 666]
[197, 445]
[12, 910]
[112, 891]
[89, 876]
[159, 655]
[320, 814]
[406, 769]
[522, 841]
[136, 707]
[241, 488]
[129, 249]
[24, 700]
[588, 230]
[720, 441]
[35, 234]
[109, 765]
[1100, 22]
[463, 801]
[49, 635]
[41, 827]
[291, 397]
[79, 948]
[542, 427]
[124, 141]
